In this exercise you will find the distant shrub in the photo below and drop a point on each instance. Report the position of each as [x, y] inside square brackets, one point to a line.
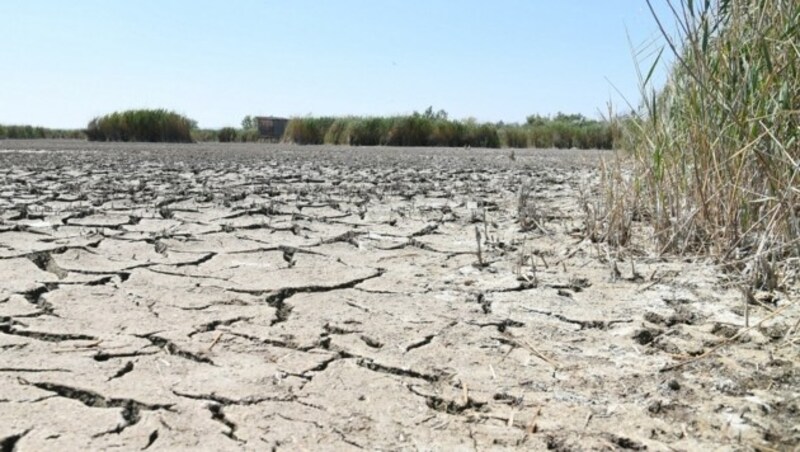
[141, 125]
[226, 135]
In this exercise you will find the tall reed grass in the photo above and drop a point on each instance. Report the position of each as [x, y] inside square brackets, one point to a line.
[308, 130]
[562, 131]
[716, 152]
[31, 132]
[226, 135]
[435, 129]
[141, 125]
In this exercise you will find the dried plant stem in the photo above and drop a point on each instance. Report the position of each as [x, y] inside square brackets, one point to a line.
[478, 243]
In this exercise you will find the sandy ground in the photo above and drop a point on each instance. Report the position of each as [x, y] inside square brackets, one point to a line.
[256, 297]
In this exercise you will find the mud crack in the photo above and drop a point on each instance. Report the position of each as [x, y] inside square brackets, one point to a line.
[289, 345]
[44, 260]
[127, 368]
[443, 405]
[199, 261]
[350, 237]
[283, 310]
[131, 409]
[333, 329]
[218, 414]
[501, 326]
[173, 349]
[324, 364]
[427, 340]
[226, 401]
[429, 229]
[211, 326]
[8, 327]
[583, 324]
[151, 439]
[346, 439]
[36, 297]
[9, 443]
[368, 363]
[103, 356]
[33, 370]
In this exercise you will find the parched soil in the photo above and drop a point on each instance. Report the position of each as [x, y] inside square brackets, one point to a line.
[262, 297]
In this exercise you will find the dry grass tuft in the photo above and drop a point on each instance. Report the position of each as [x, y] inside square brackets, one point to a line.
[529, 214]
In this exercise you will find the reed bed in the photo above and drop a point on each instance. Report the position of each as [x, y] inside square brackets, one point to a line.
[435, 129]
[141, 125]
[562, 131]
[28, 132]
[714, 156]
[226, 135]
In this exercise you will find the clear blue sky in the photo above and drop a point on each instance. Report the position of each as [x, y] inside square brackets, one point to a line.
[65, 62]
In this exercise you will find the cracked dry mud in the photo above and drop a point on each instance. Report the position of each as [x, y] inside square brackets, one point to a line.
[258, 296]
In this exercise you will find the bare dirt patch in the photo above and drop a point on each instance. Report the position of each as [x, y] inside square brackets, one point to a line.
[258, 296]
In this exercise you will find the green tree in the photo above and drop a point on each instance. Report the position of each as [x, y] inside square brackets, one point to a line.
[249, 122]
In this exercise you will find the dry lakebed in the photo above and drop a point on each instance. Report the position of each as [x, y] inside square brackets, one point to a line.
[276, 297]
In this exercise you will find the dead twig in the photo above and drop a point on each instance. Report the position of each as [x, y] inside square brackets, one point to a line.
[217, 337]
[523, 343]
[532, 426]
[78, 347]
[478, 242]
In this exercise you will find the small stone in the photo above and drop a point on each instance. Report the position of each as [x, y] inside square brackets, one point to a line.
[654, 407]
[644, 336]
